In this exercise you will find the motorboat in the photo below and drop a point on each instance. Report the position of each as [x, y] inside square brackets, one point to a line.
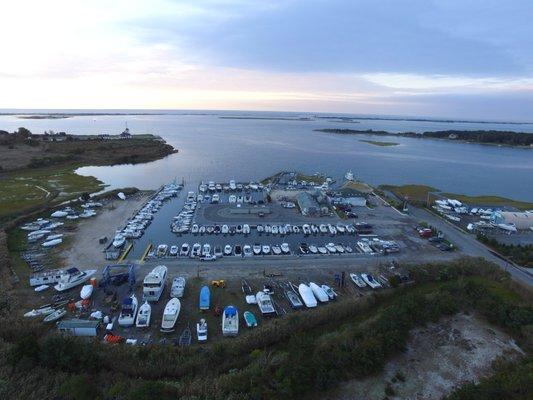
[217, 251]
[247, 250]
[276, 250]
[205, 298]
[54, 316]
[119, 240]
[257, 249]
[306, 229]
[206, 249]
[313, 249]
[348, 249]
[238, 229]
[246, 229]
[43, 310]
[128, 311]
[194, 229]
[161, 250]
[215, 199]
[228, 250]
[86, 291]
[210, 229]
[173, 251]
[329, 291]
[314, 229]
[249, 318]
[224, 230]
[178, 287]
[230, 321]
[232, 185]
[332, 230]
[196, 250]
[295, 229]
[331, 248]
[201, 330]
[260, 228]
[349, 176]
[306, 293]
[41, 288]
[275, 229]
[73, 277]
[184, 250]
[322, 250]
[143, 316]
[47, 277]
[201, 230]
[357, 280]
[154, 283]
[293, 299]
[323, 228]
[238, 250]
[339, 248]
[170, 315]
[319, 293]
[264, 301]
[265, 249]
[285, 248]
[370, 281]
[232, 199]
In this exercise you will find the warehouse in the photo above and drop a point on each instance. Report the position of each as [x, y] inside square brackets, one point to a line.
[521, 220]
[79, 327]
[308, 205]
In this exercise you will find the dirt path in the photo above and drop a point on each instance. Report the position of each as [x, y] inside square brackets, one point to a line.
[439, 358]
[84, 250]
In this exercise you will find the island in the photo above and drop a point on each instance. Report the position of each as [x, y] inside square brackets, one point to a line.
[378, 143]
[492, 137]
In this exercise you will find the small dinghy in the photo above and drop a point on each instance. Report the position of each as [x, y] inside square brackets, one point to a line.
[293, 298]
[307, 295]
[249, 318]
[143, 316]
[57, 314]
[201, 330]
[230, 321]
[205, 298]
[185, 337]
[41, 288]
[319, 293]
[86, 291]
[329, 291]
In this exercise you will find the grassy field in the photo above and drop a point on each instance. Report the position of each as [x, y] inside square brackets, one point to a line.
[419, 193]
[319, 180]
[378, 143]
[22, 190]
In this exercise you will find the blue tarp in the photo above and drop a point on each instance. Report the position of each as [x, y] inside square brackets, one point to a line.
[230, 311]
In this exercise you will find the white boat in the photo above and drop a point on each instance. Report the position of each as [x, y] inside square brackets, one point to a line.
[228, 250]
[306, 293]
[257, 249]
[329, 291]
[285, 248]
[246, 229]
[52, 243]
[224, 229]
[119, 240]
[266, 249]
[86, 291]
[178, 287]
[331, 248]
[44, 310]
[201, 330]
[357, 280]
[370, 281]
[322, 250]
[170, 315]
[53, 237]
[319, 293]
[313, 249]
[232, 185]
[264, 301]
[59, 214]
[128, 311]
[323, 228]
[173, 251]
[196, 250]
[206, 249]
[276, 250]
[230, 321]
[54, 316]
[73, 277]
[349, 176]
[46, 277]
[184, 249]
[247, 250]
[143, 316]
[154, 283]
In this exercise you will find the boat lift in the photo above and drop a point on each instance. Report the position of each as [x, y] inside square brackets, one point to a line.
[123, 273]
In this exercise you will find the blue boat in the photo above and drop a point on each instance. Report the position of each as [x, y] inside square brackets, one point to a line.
[205, 298]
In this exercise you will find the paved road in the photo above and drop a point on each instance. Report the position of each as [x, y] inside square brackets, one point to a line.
[468, 244]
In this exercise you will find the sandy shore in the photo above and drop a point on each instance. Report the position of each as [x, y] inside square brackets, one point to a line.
[84, 250]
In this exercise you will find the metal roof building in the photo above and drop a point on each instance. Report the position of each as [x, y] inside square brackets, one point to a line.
[308, 205]
[79, 327]
[521, 220]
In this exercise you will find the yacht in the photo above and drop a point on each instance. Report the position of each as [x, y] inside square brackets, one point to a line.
[196, 250]
[265, 303]
[173, 251]
[184, 249]
[128, 312]
[266, 249]
[201, 330]
[161, 250]
[143, 316]
[257, 249]
[349, 176]
[73, 277]
[154, 283]
[285, 248]
[170, 315]
[178, 287]
[230, 321]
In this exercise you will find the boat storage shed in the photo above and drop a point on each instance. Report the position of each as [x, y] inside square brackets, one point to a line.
[521, 220]
[307, 204]
[79, 327]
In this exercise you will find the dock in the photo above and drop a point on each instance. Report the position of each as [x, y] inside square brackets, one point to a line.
[145, 253]
[125, 253]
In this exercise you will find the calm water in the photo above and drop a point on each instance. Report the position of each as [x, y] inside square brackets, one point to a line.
[219, 149]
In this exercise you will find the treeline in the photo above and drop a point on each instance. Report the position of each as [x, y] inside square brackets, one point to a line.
[520, 254]
[508, 138]
[288, 358]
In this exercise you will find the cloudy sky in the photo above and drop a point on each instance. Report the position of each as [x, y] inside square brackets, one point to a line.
[448, 58]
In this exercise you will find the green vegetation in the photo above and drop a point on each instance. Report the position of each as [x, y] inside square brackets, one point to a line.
[507, 138]
[378, 143]
[317, 179]
[419, 194]
[292, 357]
[519, 254]
[27, 189]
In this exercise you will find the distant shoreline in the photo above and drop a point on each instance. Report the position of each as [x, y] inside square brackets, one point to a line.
[521, 140]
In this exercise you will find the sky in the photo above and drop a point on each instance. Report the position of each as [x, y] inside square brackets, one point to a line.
[448, 58]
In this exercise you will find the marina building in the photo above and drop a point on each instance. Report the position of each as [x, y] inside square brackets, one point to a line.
[308, 205]
[521, 220]
[79, 327]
